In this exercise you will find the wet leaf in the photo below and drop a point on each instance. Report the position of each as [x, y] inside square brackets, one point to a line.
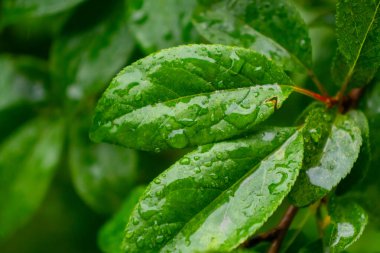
[86, 55]
[358, 56]
[27, 163]
[348, 221]
[260, 25]
[161, 24]
[111, 234]
[14, 10]
[217, 196]
[332, 145]
[102, 174]
[187, 96]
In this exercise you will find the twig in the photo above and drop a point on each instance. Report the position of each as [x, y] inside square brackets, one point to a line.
[317, 83]
[283, 227]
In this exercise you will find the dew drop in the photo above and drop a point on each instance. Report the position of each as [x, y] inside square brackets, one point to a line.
[185, 161]
[177, 139]
[157, 180]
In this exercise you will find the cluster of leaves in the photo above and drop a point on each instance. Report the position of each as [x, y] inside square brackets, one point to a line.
[244, 158]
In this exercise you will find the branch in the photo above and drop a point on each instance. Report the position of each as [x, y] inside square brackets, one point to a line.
[283, 227]
[317, 83]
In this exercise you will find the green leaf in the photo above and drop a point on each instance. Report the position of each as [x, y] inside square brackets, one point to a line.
[187, 96]
[217, 196]
[361, 166]
[348, 222]
[111, 235]
[358, 56]
[332, 145]
[260, 25]
[86, 55]
[14, 10]
[22, 80]
[27, 163]
[102, 174]
[158, 24]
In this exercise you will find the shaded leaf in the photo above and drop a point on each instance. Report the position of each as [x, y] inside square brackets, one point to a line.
[358, 56]
[332, 145]
[348, 221]
[111, 235]
[170, 26]
[102, 174]
[187, 96]
[27, 162]
[86, 55]
[217, 196]
[260, 25]
[13, 10]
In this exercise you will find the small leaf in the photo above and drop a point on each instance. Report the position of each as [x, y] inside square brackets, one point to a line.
[260, 25]
[81, 54]
[358, 56]
[111, 235]
[348, 222]
[14, 10]
[27, 163]
[102, 174]
[217, 196]
[332, 145]
[161, 24]
[188, 96]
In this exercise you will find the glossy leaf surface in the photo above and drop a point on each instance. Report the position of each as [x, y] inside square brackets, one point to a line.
[111, 235]
[358, 28]
[102, 174]
[158, 24]
[216, 196]
[332, 145]
[27, 163]
[260, 25]
[13, 10]
[85, 57]
[187, 96]
[348, 221]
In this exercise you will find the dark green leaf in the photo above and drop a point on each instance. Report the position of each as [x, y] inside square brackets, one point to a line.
[21, 81]
[112, 233]
[348, 222]
[27, 162]
[217, 196]
[161, 24]
[260, 25]
[102, 174]
[358, 28]
[332, 145]
[187, 96]
[86, 55]
[14, 10]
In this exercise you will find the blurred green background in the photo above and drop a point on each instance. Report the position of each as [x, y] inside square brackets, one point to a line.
[56, 58]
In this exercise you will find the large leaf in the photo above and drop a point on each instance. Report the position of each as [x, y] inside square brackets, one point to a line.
[102, 173]
[217, 196]
[14, 10]
[348, 221]
[332, 145]
[158, 24]
[358, 28]
[260, 25]
[27, 162]
[189, 95]
[21, 80]
[86, 55]
[111, 235]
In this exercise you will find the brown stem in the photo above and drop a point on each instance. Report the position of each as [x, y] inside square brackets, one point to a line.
[283, 227]
[329, 101]
[317, 83]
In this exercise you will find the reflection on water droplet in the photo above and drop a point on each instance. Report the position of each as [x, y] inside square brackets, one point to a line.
[344, 230]
[139, 17]
[129, 234]
[157, 180]
[185, 161]
[273, 187]
[177, 139]
[196, 158]
[197, 170]
[268, 136]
